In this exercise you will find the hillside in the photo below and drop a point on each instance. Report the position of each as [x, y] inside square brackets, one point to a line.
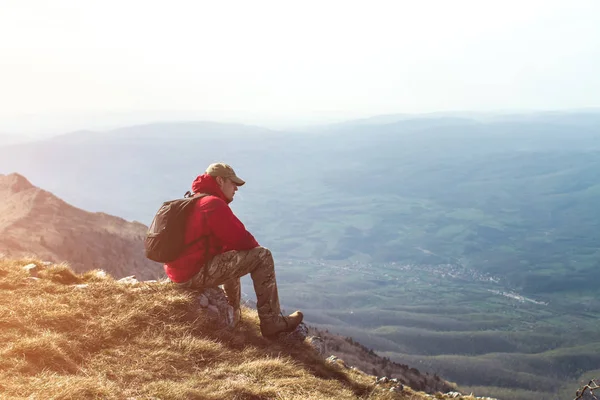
[73, 336]
[35, 222]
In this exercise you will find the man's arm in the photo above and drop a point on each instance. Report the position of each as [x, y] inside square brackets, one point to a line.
[230, 231]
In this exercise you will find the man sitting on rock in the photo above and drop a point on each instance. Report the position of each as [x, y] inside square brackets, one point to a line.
[220, 250]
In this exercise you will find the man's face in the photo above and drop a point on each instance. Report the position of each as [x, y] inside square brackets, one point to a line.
[227, 187]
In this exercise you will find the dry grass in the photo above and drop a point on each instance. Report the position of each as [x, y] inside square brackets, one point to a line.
[59, 340]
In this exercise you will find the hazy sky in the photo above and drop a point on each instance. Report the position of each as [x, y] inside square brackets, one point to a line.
[284, 60]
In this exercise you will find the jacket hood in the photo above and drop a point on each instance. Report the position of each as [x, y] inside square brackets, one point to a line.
[207, 184]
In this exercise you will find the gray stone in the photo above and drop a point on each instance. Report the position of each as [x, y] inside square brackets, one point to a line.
[229, 316]
[213, 309]
[297, 335]
[331, 359]
[32, 269]
[100, 274]
[214, 301]
[203, 301]
[216, 296]
[81, 286]
[318, 344]
[128, 280]
[337, 361]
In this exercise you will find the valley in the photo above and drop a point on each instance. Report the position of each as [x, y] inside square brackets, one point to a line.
[448, 320]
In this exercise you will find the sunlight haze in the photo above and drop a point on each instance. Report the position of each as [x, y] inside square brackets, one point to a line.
[70, 64]
[423, 176]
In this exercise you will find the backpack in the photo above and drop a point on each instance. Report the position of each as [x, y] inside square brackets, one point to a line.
[165, 238]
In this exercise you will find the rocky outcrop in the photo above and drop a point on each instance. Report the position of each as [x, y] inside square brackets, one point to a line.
[212, 302]
[395, 385]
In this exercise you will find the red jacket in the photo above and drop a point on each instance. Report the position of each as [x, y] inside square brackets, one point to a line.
[210, 217]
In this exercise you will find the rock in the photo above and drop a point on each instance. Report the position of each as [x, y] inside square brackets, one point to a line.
[318, 344]
[32, 269]
[158, 282]
[128, 280]
[213, 309]
[297, 335]
[331, 359]
[214, 301]
[203, 301]
[81, 286]
[458, 395]
[99, 274]
[398, 388]
[216, 296]
[229, 316]
[338, 361]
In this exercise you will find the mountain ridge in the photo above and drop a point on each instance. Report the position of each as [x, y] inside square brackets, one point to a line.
[35, 222]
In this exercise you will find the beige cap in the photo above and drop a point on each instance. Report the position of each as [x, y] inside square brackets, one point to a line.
[224, 171]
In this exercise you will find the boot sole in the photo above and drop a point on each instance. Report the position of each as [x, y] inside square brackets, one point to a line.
[274, 336]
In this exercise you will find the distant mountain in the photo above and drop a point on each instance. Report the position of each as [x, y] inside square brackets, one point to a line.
[583, 116]
[129, 171]
[7, 139]
[35, 222]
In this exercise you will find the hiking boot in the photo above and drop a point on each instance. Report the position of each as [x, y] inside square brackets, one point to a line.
[280, 324]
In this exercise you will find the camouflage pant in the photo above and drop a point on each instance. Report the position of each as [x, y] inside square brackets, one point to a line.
[227, 268]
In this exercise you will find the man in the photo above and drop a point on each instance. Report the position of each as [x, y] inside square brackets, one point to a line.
[220, 250]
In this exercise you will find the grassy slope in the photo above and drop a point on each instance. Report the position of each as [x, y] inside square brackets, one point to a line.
[112, 341]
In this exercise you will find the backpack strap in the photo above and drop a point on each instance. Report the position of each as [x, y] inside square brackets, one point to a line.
[206, 239]
[206, 244]
[190, 195]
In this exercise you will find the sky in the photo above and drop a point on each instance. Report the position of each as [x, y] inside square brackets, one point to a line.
[72, 64]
